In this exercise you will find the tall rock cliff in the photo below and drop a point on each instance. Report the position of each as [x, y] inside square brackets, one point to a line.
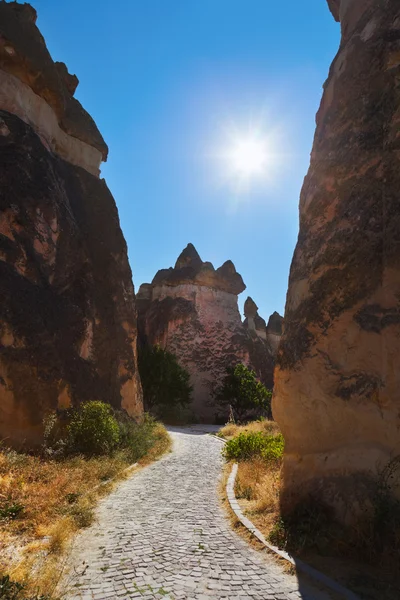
[192, 310]
[67, 311]
[337, 383]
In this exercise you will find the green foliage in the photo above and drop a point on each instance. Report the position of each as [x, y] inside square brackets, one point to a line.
[251, 444]
[10, 510]
[165, 383]
[136, 438]
[12, 590]
[96, 429]
[273, 448]
[242, 391]
[93, 429]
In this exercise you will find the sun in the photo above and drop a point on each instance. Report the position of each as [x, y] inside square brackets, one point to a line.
[248, 156]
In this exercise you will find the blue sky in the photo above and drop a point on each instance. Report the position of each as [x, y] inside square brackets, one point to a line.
[167, 82]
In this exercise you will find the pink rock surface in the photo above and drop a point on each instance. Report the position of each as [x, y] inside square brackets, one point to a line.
[192, 310]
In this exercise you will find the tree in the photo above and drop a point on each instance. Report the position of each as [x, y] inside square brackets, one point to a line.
[165, 383]
[243, 392]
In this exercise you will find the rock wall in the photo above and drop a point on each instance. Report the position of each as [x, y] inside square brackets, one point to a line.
[67, 311]
[192, 310]
[337, 381]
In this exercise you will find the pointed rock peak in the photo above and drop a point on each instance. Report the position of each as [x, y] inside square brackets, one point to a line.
[334, 7]
[189, 257]
[234, 281]
[275, 323]
[208, 265]
[144, 291]
[228, 268]
[250, 308]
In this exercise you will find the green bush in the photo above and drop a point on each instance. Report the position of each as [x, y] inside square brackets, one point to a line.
[273, 448]
[249, 445]
[136, 438]
[93, 429]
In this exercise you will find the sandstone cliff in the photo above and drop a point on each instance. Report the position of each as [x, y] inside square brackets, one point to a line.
[337, 383]
[67, 311]
[192, 310]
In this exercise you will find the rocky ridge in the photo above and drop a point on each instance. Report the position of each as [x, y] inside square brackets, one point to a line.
[192, 310]
[337, 379]
[67, 316]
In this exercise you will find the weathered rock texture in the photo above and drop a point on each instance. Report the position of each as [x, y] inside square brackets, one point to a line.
[337, 382]
[67, 311]
[192, 310]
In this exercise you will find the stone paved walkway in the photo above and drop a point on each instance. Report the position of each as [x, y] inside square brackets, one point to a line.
[163, 534]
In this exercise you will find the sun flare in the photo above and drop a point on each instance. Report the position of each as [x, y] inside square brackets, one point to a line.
[248, 156]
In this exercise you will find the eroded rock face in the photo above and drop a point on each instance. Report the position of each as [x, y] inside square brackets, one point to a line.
[337, 381]
[67, 311]
[192, 310]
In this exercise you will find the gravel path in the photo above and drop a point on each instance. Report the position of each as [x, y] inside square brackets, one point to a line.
[163, 534]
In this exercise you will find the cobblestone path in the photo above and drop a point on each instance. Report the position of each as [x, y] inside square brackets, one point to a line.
[163, 534]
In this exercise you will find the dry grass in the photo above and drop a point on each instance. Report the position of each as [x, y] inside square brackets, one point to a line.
[257, 487]
[231, 430]
[364, 558]
[257, 484]
[44, 502]
[242, 530]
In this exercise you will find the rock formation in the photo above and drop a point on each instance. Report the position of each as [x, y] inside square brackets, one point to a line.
[192, 310]
[337, 382]
[271, 333]
[274, 331]
[67, 311]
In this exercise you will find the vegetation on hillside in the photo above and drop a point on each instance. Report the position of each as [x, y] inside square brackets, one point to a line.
[166, 385]
[46, 497]
[244, 393]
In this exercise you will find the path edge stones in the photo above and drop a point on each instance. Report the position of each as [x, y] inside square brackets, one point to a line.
[312, 573]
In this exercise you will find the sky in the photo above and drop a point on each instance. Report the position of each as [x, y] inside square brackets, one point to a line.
[174, 86]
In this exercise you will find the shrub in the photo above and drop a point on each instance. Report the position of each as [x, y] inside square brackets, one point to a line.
[136, 438]
[249, 445]
[273, 448]
[165, 383]
[93, 429]
[243, 392]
